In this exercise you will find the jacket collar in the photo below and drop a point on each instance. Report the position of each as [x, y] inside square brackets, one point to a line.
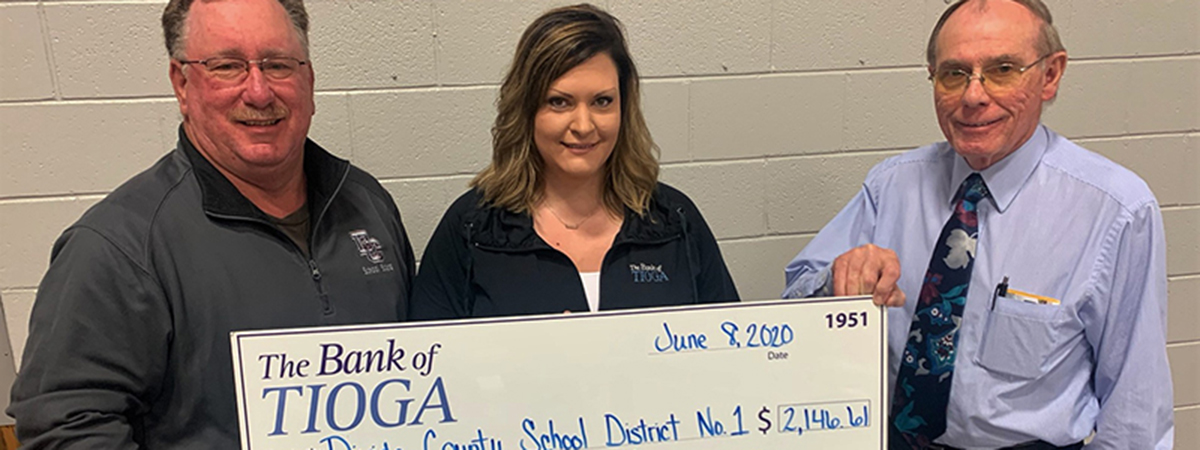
[498, 228]
[323, 172]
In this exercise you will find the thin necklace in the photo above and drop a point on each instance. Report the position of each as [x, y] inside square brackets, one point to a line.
[570, 226]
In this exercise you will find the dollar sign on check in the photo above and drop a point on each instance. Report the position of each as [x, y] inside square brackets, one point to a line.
[764, 416]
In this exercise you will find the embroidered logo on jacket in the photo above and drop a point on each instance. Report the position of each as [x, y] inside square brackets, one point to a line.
[648, 273]
[368, 246]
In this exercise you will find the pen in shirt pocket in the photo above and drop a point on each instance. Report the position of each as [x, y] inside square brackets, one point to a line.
[1002, 290]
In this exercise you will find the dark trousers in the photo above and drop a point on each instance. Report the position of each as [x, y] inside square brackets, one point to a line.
[896, 441]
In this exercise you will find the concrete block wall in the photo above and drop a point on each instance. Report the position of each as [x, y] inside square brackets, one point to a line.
[768, 112]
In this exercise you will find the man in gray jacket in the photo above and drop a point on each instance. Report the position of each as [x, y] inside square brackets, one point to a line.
[245, 225]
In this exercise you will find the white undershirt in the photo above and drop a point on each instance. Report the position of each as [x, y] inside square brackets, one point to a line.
[591, 288]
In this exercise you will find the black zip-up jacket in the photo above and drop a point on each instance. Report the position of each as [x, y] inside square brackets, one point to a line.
[129, 337]
[484, 261]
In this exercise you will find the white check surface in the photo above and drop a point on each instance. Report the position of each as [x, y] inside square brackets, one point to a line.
[765, 375]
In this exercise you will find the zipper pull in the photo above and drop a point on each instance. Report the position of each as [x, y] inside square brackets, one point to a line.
[316, 273]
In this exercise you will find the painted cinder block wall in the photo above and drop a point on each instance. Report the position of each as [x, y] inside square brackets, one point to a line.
[768, 113]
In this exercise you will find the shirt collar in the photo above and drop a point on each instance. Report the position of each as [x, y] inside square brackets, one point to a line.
[1005, 178]
[323, 173]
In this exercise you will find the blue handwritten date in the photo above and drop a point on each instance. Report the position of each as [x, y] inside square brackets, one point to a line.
[670, 341]
[758, 335]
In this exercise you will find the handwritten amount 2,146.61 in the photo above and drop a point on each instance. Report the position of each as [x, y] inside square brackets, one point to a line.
[846, 319]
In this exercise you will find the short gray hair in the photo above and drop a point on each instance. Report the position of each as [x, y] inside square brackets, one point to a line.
[174, 21]
[1048, 40]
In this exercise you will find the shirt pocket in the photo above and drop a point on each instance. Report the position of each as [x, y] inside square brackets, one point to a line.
[1019, 337]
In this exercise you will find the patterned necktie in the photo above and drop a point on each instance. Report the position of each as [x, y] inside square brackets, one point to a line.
[923, 383]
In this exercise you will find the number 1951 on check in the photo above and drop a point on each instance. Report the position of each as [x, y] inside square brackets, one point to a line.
[846, 319]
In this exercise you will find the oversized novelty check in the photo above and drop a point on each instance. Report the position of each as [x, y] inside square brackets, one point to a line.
[791, 374]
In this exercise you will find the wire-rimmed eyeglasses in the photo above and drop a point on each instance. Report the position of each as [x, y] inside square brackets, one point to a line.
[998, 78]
[236, 69]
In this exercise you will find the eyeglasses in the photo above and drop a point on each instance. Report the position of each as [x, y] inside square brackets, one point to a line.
[237, 69]
[999, 78]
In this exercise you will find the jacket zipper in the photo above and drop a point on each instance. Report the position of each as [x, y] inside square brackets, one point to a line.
[314, 270]
[322, 295]
[326, 306]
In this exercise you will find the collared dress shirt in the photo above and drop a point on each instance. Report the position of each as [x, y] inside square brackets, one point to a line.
[1063, 223]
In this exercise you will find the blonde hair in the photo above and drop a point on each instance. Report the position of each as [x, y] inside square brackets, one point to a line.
[556, 42]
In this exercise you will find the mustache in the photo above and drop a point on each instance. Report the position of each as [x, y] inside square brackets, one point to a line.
[276, 111]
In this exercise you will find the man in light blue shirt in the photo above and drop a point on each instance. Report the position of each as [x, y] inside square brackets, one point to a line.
[1063, 332]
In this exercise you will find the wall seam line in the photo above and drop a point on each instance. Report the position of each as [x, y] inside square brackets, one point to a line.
[51, 60]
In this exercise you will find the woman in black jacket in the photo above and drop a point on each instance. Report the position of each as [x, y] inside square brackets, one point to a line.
[569, 215]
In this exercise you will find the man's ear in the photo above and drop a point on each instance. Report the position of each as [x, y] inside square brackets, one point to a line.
[179, 84]
[1055, 65]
